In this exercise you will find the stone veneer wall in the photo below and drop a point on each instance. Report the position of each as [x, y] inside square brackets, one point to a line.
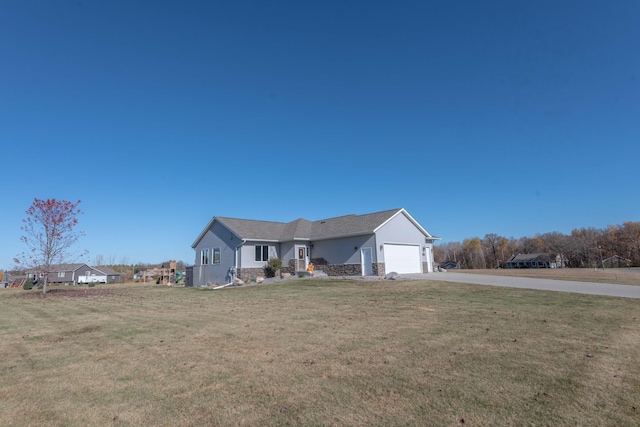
[291, 268]
[335, 269]
[341, 269]
[378, 269]
[329, 269]
[291, 271]
[247, 274]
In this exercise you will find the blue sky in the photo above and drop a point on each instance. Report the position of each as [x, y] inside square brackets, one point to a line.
[504, 117]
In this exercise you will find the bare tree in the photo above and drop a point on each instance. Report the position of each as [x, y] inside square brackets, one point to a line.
[630, 237]
[493, 243]
[99, 259]
[49, 233]
[581, 248]
[124, 261]
[448, 251]
[473, 254]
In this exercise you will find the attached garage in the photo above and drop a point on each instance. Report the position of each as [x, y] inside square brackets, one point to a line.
[402, 258]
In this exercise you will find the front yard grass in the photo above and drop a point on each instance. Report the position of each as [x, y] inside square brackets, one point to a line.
[318, 352]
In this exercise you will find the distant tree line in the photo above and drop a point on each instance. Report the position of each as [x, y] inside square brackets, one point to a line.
[618, 245]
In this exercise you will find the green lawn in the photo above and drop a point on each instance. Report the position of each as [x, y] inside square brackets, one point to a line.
[318, 352]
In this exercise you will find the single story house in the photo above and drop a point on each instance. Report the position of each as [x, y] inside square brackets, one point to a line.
[68, 274]
[449, 265]
[536, 261]
[351, 245]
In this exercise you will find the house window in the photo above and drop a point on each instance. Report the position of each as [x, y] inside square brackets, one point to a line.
[262, 253]
[60, 273]
[216, 256]
[204, 260]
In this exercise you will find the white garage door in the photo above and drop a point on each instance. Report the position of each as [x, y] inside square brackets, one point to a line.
[402, 258]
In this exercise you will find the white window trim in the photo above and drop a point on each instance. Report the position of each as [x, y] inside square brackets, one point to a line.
[261, 253]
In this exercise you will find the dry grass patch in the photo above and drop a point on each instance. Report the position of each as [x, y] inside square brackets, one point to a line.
[621, 276]
[318, 352]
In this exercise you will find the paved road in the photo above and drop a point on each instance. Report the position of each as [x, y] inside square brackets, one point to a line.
[609, 289]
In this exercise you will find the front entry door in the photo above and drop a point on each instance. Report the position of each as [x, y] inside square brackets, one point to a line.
[367, 261]
[301, 258]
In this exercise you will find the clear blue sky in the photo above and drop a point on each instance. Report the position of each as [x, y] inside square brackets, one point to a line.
[501, 117]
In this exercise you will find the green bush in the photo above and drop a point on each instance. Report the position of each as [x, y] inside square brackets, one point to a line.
[273, 266]
[92, 284]
[275, 263]
[28, 285]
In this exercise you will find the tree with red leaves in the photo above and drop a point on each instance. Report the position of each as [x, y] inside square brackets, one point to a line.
[49, 234]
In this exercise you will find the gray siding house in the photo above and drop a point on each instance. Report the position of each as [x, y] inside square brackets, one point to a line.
[351, 245]
[536, 261]
[65, 273]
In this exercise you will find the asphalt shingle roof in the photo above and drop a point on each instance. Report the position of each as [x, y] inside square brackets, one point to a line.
[529, 257]
[63, 267]
[106, 270]
[350, 224]
[252, 229]
[305, 229]
[302, 229]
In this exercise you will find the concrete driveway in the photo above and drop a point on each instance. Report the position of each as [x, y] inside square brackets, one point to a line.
[608, 289]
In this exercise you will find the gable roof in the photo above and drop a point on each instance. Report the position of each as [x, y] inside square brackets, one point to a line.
[351, 225]
[252, 229]
[67, 267]
[531, 257]
[298, 229]
[54, 268]
[108, 271]
[302, 229]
